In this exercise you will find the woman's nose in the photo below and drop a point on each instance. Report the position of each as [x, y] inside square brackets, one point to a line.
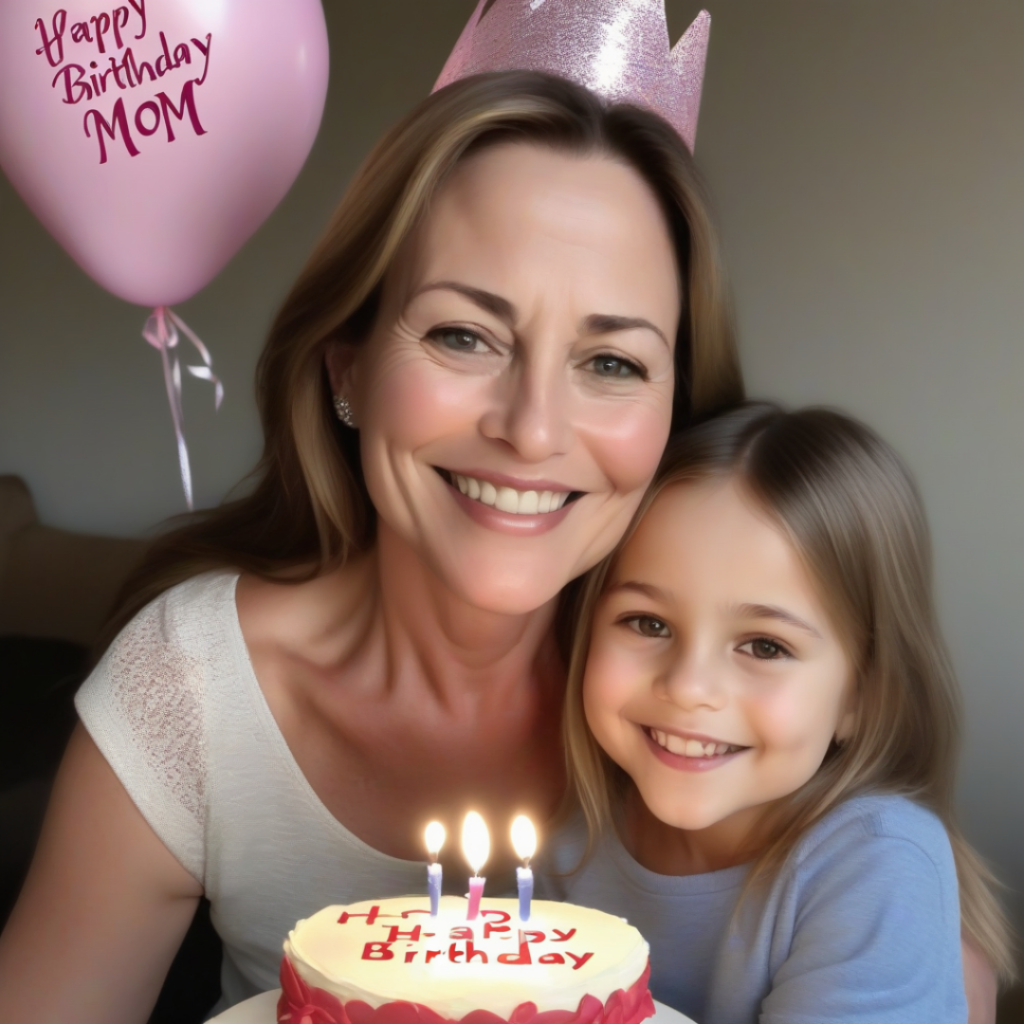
[531, 411]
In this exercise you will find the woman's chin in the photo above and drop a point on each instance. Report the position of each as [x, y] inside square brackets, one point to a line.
[510, 597]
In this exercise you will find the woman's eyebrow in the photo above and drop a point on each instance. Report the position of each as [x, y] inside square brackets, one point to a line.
[606, 323]
[487, 301]
[770, 611]
[596, 323]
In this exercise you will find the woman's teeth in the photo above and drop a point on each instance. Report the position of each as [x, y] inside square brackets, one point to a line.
[689, 748]
[506, 499]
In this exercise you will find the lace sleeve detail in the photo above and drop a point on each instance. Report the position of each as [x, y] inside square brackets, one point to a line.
[144, 706]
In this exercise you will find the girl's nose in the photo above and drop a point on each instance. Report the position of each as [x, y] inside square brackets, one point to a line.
[693, 681]
[531, 411]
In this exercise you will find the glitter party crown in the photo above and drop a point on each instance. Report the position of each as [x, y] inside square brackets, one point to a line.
[618, 49]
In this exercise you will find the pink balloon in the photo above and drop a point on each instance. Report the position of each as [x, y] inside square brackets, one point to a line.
[152, 137]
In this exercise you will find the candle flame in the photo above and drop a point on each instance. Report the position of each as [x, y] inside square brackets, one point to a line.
[434, 837]
[524, 838]
[476, 842]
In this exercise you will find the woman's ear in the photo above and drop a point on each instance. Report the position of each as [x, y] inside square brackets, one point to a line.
[339, 358]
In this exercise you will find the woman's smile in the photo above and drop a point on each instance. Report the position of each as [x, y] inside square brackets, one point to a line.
[518, 497]
[494, 502]
[517, 389]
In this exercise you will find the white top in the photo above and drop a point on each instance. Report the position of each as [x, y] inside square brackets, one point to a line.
[176, 710]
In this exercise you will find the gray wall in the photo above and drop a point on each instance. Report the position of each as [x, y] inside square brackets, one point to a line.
[867, 159]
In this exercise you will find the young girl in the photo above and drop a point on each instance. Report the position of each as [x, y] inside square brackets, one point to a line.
[761, 703]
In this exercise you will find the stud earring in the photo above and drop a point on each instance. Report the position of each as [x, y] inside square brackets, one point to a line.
[343, 410]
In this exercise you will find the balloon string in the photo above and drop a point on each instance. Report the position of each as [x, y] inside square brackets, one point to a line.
[161, 331]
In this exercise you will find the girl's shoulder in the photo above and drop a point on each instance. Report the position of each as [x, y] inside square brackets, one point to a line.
[873, 816]
[862, 922]
[880, 836]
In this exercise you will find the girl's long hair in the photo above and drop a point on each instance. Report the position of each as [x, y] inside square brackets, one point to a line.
[852, 511]
[308, 508]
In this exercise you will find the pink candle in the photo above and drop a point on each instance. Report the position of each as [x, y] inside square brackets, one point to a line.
[476, 890]
[476, 846]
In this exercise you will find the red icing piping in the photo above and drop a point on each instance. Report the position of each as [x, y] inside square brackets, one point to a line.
[304, 1004]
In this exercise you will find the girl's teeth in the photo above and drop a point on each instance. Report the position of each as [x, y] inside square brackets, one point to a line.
[688, 748]
[507, 499]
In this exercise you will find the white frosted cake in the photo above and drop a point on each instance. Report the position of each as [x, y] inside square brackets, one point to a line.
[389, 962]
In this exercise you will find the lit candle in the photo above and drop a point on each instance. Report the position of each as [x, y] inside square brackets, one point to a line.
[435, 836]
[524, 841]
[476, 846]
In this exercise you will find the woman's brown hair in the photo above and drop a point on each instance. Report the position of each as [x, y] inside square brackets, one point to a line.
[308, 508]
[851, 510]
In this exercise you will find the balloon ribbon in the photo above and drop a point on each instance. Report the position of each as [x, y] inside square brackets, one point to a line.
[161, 331]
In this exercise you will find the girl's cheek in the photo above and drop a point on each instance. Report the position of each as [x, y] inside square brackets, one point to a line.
[793, 718]
[614, 678]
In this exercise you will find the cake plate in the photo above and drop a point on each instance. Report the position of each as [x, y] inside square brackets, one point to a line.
[262, 1009]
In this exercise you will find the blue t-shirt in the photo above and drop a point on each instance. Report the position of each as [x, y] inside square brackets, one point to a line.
[862, 924]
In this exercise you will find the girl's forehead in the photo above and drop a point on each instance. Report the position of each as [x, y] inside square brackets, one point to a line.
[711, 534]
[699, 510]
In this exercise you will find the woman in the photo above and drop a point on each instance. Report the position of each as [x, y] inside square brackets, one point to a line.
[517, 301]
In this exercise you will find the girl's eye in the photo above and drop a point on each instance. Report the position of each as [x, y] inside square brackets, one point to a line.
[764, 649]
[615, 368]
[457, 339]
[647, 625]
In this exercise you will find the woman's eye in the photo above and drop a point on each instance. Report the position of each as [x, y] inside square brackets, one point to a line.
[457, 340]
[765, 650]
[615, 367]
[647, 625]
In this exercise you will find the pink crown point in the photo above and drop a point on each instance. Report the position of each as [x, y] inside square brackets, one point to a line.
[619, 49]
[689, 57]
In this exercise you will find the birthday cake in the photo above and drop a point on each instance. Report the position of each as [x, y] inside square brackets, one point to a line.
[389, 962]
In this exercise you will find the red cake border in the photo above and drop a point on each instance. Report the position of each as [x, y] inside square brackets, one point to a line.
[305, 1004]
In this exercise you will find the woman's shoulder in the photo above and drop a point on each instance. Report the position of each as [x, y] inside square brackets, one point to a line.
[145, 705]
[202, 599]
[152, 679]
[186, 622]
[318, 618]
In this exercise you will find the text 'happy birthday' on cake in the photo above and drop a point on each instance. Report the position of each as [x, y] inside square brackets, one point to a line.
[389, 960]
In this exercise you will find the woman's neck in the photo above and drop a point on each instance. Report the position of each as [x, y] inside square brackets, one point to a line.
[458, 649]
[392, 693]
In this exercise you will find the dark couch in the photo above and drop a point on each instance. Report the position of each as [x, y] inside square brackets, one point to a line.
[56, 589]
